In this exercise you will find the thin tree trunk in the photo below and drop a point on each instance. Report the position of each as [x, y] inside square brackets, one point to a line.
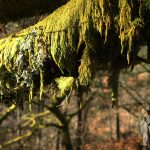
[58, 140]
[66, 139]
[148, 52]
[110, 124]
[129, 122]
[79, 126]
[117, 123]
[40, 108]
[20, 145]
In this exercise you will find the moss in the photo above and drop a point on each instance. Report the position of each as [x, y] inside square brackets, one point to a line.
[58, 38]
[86, 68]
[129, 27]
[65, 84]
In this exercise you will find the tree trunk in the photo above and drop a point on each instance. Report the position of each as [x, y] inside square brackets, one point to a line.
[20, 145]
[58, 140]
[110, 124]
[40, 108]
[66, 139]
[117, 123]
[79, 126]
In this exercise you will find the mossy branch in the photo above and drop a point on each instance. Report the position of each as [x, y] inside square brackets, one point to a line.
[6, 114]
[58, 39]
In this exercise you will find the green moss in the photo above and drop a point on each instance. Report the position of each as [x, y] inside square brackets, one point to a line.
[129, 27]
[58, 38]
[65, 84]
[86, 68]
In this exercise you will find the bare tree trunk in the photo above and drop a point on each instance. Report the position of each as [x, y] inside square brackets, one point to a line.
[66, 138]
[148, 126]
[79, 126]
[148, 52]
[110, 124]
[20, 145]
[40, 108]
[58, 140]
[84, 121]
[117, 122]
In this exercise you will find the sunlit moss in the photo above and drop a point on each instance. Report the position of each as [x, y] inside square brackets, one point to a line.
[65, 84]
[87, 68]
[128, 26]
[58, 38]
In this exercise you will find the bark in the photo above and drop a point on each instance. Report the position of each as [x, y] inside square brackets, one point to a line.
[66, 137]
[79, 126]
[117, 124]
[58, 140]
[7, 113]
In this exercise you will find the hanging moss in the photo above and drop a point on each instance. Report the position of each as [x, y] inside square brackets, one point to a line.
[87, 68]
[59, 37]
[128, 26]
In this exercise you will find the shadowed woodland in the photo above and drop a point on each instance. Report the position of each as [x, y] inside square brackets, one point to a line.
[74, 74]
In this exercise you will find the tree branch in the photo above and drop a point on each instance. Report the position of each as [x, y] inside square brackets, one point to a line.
[6, 114]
